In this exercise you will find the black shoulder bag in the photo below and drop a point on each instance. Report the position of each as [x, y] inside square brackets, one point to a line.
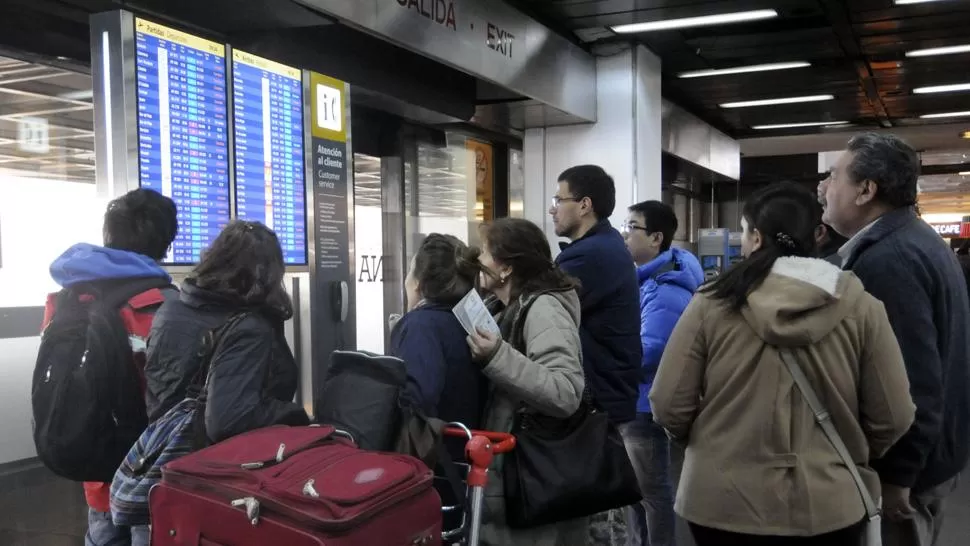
[562, 469]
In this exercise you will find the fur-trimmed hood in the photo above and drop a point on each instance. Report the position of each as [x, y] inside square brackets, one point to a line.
[801, 301]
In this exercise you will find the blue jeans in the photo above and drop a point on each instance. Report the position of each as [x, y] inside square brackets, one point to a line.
[102, 532]
[651, 521]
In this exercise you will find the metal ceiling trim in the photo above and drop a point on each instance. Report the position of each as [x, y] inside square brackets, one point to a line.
[685, 136]
[486, 39]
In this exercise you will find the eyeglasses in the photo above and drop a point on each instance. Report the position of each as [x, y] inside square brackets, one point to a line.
[628, 228]
[556, 200]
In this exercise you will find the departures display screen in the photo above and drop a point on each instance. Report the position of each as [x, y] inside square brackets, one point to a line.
[269, 156]
[183, 138]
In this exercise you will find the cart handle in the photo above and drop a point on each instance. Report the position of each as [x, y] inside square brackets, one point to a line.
[502, 442]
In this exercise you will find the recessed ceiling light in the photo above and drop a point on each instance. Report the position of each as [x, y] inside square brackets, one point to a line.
[965, 135]
[797, 125]
[946, 115]
[904, 2]
[743, 69]
[943, 88]
[772, 102]
[701, 21]
[948, 50]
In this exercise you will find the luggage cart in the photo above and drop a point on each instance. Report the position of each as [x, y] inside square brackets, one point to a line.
[480, 448]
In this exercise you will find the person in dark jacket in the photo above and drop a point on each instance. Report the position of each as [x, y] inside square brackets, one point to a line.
[138, 230]
[253, 375]
[870, 197]
[443, 381]
[610, 304]
[609, 294]
[668, 278]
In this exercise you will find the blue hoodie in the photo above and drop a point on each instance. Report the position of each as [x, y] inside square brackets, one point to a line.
[667, 284]
[87, 263]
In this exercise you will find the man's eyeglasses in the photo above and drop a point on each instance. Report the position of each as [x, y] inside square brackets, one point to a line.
[630, 228]
[556, 200]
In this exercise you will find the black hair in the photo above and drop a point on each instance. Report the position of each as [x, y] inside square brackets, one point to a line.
[593, 182]
[889, 162]
[784, 216]
[445, 268]
[658, 218]
[521, 245]
[142, 221]
[245, 265]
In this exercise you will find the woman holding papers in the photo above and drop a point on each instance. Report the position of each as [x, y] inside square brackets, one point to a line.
[442, 379]
[536, 360]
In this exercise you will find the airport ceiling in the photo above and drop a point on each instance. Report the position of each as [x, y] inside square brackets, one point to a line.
[857, 50]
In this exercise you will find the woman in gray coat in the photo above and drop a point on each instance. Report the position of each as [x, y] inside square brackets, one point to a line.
[544, 372]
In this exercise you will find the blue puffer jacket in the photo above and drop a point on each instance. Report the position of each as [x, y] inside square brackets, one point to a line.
[611, 351]
[667, 283]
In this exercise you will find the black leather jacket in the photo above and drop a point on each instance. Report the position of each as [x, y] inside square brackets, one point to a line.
[253, 377]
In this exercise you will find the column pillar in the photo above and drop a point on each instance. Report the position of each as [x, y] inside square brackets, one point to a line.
[625, 140]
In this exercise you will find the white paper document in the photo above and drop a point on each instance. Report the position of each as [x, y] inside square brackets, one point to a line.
[473, 315]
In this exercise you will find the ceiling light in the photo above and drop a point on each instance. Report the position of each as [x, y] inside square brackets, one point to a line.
[964, 173]
[743, 69]
[905, 2]
[797, 125]
[772, 102]
[948, 50]
[946, 115]
[701, 21]
[965, 135]
[943, 88]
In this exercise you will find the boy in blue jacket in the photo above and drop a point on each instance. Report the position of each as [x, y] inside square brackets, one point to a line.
[668, 278]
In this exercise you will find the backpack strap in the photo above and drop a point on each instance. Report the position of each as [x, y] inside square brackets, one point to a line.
[136, 292]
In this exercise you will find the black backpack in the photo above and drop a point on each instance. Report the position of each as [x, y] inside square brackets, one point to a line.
[88, 408]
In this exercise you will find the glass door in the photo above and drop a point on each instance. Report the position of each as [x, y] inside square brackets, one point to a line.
[369, 250]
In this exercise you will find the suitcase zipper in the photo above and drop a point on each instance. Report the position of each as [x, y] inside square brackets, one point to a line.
[254, 507]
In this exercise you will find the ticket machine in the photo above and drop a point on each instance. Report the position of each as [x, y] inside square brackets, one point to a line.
[713, 250]
[734, 248]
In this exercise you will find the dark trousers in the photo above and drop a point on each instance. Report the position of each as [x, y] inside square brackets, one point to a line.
[705, 536]
[923, 529]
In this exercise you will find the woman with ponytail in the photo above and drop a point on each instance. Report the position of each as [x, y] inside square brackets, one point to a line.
[758, 469]
[443, 381]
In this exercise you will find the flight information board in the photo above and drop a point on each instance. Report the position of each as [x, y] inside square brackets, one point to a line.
[268, 142]
[183, 141]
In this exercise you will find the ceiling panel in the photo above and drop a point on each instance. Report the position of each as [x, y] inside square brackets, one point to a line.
[62, 100]
[857, 48]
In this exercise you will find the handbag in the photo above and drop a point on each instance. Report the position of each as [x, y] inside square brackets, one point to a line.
[180, 431]
[562, 469]
[872, 534]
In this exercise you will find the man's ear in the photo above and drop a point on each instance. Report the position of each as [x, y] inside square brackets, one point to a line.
[867, 193]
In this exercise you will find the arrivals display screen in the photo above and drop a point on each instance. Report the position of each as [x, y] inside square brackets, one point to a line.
[268, 130]
[183, 139]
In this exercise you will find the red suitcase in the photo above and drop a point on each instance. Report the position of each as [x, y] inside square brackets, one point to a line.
[294, 486]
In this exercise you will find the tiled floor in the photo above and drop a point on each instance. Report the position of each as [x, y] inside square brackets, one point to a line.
[38, 509]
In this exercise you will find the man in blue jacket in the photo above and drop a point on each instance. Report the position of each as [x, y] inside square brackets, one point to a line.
[668, 278]
[870, 197]
[609, 329]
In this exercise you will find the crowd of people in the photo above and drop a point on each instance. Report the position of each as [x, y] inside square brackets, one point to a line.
[848, 286]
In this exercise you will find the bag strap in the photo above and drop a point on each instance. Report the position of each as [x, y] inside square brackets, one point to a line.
[824, 420]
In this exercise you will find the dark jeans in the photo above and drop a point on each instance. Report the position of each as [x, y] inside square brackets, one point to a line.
[705, 536]
[102, 532]
[651, 521]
